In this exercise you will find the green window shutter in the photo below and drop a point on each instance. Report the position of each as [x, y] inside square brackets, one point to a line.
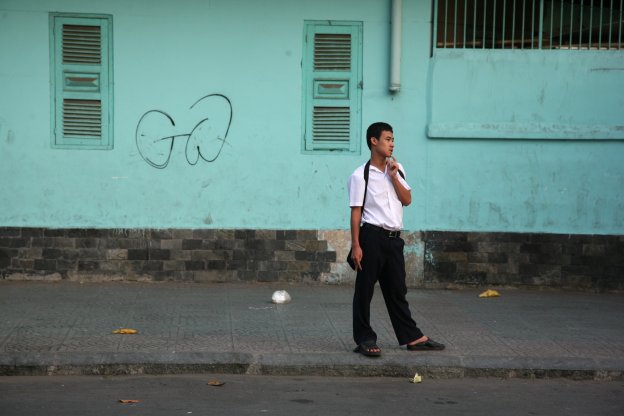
[82, 85]
[332, 83]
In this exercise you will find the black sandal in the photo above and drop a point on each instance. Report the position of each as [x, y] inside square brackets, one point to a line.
[429, 345]
[368, 349]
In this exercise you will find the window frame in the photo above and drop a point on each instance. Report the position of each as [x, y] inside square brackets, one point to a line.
[104, 72]
[523, 94]
[311, 78]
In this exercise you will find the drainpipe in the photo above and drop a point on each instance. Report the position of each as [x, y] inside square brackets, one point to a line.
[395, 45]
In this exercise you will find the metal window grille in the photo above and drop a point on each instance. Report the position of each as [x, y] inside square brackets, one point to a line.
[529, 24]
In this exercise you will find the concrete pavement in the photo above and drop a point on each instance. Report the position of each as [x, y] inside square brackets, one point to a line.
[66, 328]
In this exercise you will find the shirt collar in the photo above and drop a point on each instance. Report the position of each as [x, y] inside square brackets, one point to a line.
[377, 169]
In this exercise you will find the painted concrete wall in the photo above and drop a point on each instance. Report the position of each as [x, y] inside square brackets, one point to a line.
[168, 55]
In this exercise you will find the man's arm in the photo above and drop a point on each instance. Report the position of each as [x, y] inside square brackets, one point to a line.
[356, 250]
[404, 194]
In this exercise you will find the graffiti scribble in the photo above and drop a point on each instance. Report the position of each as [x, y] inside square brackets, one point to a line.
[205, 141]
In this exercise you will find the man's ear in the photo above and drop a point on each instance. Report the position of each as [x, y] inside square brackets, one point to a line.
[374, 141]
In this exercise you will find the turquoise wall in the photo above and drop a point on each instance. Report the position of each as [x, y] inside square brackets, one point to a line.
[168, 55]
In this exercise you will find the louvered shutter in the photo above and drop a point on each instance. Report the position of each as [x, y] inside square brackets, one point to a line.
[332, 86]
[82, 99]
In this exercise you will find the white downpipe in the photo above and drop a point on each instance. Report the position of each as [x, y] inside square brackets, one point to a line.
[395, 45]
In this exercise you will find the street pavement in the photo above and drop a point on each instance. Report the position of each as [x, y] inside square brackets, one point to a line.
[66, 328]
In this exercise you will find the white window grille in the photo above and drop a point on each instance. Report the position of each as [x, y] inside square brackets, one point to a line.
[529, 24]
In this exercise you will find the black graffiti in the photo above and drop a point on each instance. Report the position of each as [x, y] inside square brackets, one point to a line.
[201, 143]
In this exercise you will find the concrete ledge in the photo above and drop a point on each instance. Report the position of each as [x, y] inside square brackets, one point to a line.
[335, 364]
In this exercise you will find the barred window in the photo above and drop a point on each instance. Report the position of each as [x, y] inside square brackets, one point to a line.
[529, 24]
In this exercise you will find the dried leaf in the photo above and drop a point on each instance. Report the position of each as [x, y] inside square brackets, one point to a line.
[125, 401]
[125, 331]
[215, 383]
[489, 294]
[417, 379]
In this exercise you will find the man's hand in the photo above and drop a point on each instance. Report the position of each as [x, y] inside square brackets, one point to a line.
[356, 255]
[393, 166]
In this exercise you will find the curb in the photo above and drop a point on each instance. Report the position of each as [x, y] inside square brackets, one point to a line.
[333, 365]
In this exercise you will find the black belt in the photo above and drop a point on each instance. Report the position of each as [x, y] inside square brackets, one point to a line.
[387, 233]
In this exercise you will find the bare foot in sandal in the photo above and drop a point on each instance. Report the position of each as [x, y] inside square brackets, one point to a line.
[368, 349]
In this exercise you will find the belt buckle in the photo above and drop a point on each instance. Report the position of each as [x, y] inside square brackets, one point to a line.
[393, 234]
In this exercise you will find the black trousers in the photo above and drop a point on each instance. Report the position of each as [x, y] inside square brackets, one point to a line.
[382, 261]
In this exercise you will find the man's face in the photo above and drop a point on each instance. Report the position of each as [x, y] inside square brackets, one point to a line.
[385, 143]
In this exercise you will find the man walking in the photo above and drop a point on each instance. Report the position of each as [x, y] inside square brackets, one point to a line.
[376, 246]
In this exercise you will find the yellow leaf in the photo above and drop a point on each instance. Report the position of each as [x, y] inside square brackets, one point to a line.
[215, 383]
[489, 294]
[124, 401]
[417, 379]
[125, 331]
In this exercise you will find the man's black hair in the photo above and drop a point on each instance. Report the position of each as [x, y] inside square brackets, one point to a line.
[375, 129]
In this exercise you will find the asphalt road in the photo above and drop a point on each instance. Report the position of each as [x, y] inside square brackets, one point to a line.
[257, 395]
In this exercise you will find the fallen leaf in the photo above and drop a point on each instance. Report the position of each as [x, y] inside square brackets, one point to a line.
[124, 401]
[125, 331]
[417, 379]
[215, 383]
[489, 294]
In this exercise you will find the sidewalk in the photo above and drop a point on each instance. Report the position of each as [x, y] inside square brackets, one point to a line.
[66, 328]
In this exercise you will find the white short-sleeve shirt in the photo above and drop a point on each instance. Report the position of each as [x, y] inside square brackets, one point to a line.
[382, 206]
